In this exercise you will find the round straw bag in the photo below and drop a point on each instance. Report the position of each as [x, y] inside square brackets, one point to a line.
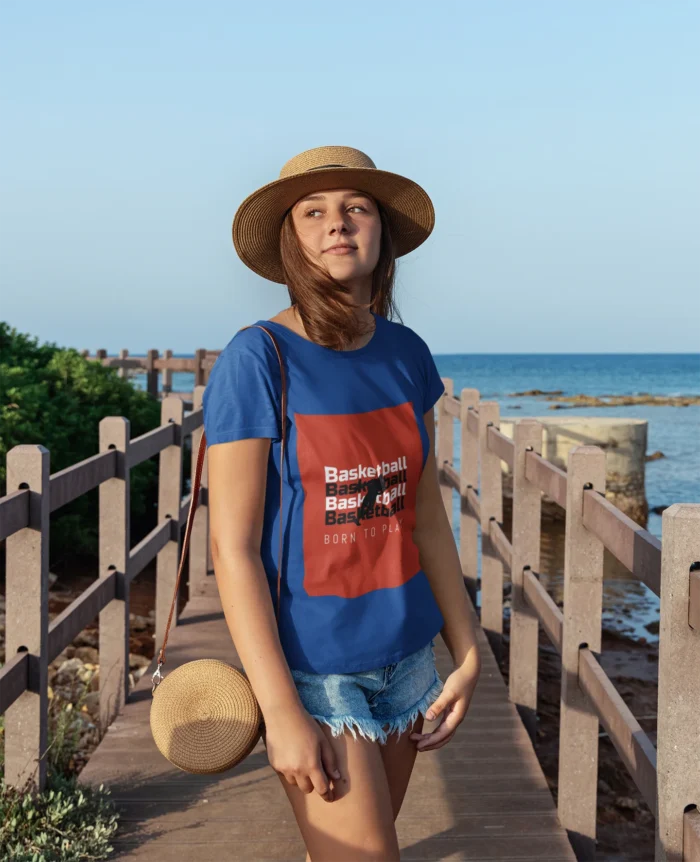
[204, 715]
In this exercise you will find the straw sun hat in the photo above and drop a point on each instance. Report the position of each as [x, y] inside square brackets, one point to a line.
[256, 226]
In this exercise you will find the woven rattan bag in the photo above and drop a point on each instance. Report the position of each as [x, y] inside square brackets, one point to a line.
[204, 715]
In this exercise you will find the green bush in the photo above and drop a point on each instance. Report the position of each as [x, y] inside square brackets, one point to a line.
[55, 397]
[67, 822]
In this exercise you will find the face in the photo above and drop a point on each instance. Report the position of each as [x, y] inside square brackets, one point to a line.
[341, 230]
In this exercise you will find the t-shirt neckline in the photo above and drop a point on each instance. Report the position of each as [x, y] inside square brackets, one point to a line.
[312, 345]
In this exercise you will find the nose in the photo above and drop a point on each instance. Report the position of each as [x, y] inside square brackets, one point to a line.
[338, 224]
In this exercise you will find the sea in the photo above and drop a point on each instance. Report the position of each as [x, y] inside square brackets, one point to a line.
[630, 608]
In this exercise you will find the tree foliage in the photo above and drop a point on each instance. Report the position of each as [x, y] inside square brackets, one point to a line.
[54, 396]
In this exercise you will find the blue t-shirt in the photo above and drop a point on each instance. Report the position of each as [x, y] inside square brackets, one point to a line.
[353, 595]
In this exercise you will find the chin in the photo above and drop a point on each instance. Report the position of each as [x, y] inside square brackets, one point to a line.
[347, 273]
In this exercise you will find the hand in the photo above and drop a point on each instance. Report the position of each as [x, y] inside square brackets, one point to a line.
[452, 704]
[298, 750]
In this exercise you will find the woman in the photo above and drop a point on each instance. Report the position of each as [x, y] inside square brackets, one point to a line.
[371, 573]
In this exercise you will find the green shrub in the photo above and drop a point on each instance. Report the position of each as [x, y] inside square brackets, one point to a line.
[55, 397]
[67, 822]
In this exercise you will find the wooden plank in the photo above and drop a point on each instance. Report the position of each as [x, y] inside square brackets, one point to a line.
[473, 422]
[469, 479]
[452, 406]
[192, 421]
[142, 554]
[525, 558]
[80, 613]
[632, 744]
[74, 481]
[691, 836]
[450, 476]
[14, 513]
[175, 364]
[501, 445]
[445, 446]
[14, 679]
[678, 725]
[548, 478]
[634, 547]
[545, 608]
[151, 443]
[491, 499]
[583, 611]
[473, 502]
[501, 543]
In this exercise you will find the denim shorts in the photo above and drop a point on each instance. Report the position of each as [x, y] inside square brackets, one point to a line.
[373, 703]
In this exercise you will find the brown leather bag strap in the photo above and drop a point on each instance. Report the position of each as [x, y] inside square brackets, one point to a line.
[194, 500]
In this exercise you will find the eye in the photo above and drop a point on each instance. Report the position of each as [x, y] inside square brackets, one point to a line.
[358, 207]
[310, 212]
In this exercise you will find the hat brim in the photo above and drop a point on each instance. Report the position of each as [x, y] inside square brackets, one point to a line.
[257, 223]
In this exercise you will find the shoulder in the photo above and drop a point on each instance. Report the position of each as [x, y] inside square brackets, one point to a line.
[252, 346]
[407, 338]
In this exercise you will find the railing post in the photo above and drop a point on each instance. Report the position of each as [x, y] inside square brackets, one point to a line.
[27, 618]
[199, 540]
[583, 600]
[445, 445]
[199, 370]
[468, 478]
[152, 373]
[167, 374]
[169, 499]
[491, 500]
[114, 547]
[524, 628]
[123, 354]
[678, 728]
[101, 354]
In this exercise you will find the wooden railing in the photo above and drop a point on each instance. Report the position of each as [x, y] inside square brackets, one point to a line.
[668, 775]
[32, 642]
[153, 364]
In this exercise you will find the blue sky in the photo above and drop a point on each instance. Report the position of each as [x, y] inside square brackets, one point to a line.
[558, 140]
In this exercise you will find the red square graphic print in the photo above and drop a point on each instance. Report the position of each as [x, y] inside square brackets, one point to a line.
[359, 473]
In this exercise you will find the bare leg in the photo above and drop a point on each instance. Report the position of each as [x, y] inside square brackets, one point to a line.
[358, 826]
[398, 759]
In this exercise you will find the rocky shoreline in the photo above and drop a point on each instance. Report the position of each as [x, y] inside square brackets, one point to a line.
[570, 401]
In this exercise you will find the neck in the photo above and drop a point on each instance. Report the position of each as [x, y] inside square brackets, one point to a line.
[361, 292]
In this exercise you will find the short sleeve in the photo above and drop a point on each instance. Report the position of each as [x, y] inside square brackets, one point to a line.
[243, 394]
[434, 387]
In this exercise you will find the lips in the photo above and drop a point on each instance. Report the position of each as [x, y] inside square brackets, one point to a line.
[340, 249]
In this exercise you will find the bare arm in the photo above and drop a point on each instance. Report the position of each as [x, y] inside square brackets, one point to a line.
[440, 561]
[296, 746]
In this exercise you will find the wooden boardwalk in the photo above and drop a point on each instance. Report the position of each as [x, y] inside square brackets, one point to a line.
[482, 797]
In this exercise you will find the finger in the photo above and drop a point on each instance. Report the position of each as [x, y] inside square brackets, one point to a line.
[449, 724]
[440, 704]
[438, 744]
[321, 784]
[328, 759]
[305, 784]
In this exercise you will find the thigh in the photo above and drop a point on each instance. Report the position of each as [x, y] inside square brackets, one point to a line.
[399, 757]
[358, 826]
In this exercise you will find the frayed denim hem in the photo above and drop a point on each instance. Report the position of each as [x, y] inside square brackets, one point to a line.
[380, 731]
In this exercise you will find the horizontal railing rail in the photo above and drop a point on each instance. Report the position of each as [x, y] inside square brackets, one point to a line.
[671, 786]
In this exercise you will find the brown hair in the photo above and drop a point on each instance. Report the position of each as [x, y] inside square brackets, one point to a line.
[324, 304]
